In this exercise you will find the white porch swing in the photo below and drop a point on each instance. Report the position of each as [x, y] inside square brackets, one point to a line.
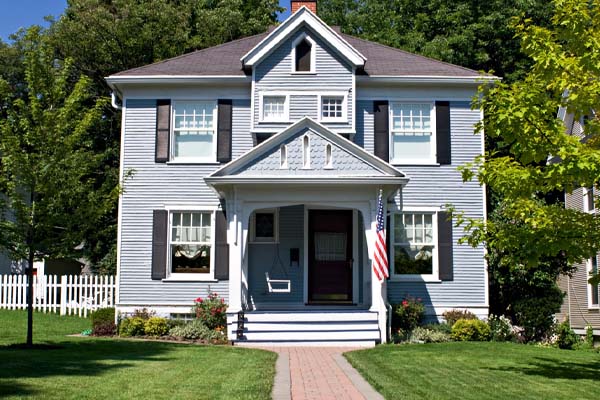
[278, 285]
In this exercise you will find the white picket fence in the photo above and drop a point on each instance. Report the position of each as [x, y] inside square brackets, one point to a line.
[67, 294]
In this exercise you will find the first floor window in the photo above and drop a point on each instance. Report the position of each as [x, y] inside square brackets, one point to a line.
[411, 132]
[194, 131]
[413, 243]
[332, 107]
[274, 108]
[593, 289]
[264, 226]
[191, 242]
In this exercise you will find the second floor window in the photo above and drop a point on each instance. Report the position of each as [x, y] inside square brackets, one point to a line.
[194, 131]
[274, 108]
[332, 108]
[303, 56]
[412, 138]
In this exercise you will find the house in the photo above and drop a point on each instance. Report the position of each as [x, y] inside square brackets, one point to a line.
[581, 304]
[256, 170]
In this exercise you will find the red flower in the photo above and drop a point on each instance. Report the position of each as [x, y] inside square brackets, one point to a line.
[404, 302]
[198, 300]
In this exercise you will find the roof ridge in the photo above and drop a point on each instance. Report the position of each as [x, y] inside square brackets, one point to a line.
[409, 53]
[192, 52]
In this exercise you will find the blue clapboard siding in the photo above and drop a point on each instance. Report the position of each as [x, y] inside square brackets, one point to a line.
[263, 258]
[436, 186]
[155, 186]
[275, 74]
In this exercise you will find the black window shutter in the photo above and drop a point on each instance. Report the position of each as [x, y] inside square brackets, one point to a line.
[382, 135]
[303, 56]
[445, 244]
[160, 222]
[442, 131]
[221, 247]
[163, 130]
[224, 126]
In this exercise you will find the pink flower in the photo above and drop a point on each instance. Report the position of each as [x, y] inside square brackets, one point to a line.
[198, 300]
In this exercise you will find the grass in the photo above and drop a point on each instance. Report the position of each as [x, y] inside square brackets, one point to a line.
[93, 368]
[470, 370]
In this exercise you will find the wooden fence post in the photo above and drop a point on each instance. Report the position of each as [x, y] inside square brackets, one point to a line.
[63, 295]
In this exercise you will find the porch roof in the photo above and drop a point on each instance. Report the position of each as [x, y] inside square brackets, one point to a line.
[334, 160]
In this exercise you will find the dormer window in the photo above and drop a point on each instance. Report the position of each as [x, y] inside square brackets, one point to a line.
[303, 55]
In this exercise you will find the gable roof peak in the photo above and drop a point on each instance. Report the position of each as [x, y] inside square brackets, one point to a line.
[289, 27]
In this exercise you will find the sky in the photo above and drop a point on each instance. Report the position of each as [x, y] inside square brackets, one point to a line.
[15, 14]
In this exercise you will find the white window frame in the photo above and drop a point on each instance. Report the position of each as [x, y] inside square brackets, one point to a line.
[210, 159]
[587, 192]
[344, 97]
[589, 287]
[432, 159]
[265, 240]
[434, 276]
[313, 55]
[191, 276]
[286, 107]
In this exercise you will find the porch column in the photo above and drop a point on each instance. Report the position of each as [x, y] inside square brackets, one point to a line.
[236, 238]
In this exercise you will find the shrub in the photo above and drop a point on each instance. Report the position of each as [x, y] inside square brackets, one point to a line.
[443, 328]
[132, 327]
[407, 315]
[454, 315]
[196, 330]
[535, 313]
[501, 328]
[143, 313]
[211, 311]
[156, 326]
[566, 338]
[470, 330]
[425, 335]
[103, 322]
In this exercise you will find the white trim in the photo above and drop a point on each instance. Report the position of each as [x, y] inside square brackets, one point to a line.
[588, 270]
[289, 26]
[286, 107]
[252, 237]
[432, 159]
[313, 55]
[343, 118]
[270, 129]
[283, 157]
[305, 238]
[252, 100]
[114, 80]
[120, 214]
[306, 180]
[355, 265]
[434, 276]
[306, 153]
[194, 160]
[196, 277]
[475, 79]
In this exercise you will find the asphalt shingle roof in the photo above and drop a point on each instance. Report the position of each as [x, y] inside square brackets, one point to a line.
[225, 60]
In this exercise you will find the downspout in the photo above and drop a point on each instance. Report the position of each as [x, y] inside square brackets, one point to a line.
[113, 101]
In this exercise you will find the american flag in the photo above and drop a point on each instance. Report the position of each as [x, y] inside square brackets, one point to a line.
[380, 258]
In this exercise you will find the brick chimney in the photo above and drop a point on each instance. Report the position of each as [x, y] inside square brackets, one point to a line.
[310, 4]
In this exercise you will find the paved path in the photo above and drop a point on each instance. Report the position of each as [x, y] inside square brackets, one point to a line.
[305, 373]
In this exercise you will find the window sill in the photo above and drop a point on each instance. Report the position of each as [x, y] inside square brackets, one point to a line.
[334, 120]
[192, 162]
[415, 278]
[190, 278]
[303, 73]
[416, 162]
[275, 121]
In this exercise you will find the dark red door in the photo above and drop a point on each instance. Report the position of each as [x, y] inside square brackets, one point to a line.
[330, 256]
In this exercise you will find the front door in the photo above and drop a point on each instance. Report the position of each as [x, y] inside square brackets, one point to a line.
[330, 256]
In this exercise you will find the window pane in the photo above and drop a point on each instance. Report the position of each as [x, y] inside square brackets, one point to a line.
[411, 147]
[274, 107]
[428, 228]
[190, 258]
[399, 232]
[418, 228]
[193, 144]
[413, 259]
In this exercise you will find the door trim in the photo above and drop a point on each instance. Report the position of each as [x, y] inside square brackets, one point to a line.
[355, 250]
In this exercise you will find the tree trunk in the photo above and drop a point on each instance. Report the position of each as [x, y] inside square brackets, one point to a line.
[30, 297]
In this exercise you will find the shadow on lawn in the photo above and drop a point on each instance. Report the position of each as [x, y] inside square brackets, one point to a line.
[72, 358]
[557, 369]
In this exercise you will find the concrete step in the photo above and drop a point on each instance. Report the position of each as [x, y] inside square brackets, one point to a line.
[322, 343]
[307, 316]
[309, 326]
[319, 335]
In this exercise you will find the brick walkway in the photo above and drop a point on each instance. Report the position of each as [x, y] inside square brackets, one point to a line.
[305, 373]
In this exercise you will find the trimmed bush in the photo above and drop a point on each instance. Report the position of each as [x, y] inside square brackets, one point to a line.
[407, 315]
[454, 315]
[156, 326]
[501, 328]
[566, 338]
[132, 327]
[425, 335]
[470, 330]
[103, 322]
[535, 313]
[196, 330]
[443, 328]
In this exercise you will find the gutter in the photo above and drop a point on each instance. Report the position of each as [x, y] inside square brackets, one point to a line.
[149, 79]
[475, 79]
[113, 101]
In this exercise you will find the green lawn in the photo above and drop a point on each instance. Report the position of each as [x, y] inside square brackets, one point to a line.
[91, 368]
[479, 371]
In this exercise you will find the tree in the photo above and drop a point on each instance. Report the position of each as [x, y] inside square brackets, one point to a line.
[50, 175]
[535, 156]
[474, 34]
